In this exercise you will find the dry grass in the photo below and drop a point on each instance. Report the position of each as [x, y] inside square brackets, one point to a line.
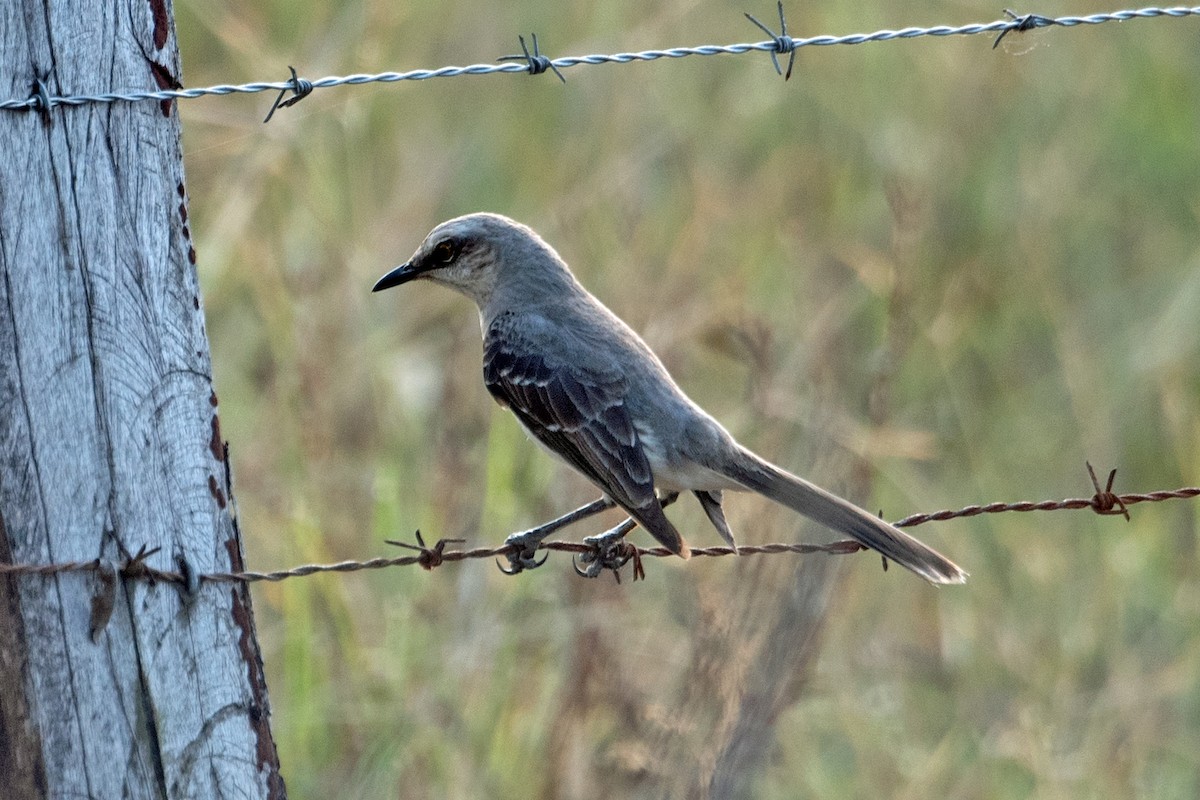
[925, 273]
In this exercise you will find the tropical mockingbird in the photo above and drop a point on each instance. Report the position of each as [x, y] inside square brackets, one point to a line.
[588, 389]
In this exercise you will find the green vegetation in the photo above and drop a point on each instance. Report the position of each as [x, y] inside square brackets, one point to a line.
[925, 273]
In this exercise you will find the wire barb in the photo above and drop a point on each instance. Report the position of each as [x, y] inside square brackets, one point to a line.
[538, 63]
[300, 89]
[783, 42]
[429, 557]
[1022, 23]
[1104, 501]
[135, 565]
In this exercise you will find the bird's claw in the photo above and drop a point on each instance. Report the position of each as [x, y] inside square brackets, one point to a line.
[522, 553]
[609, 551]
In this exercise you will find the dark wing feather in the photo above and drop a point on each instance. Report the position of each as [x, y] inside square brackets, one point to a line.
[580, 415]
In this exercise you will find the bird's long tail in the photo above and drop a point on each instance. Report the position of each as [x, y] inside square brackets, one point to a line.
[828, 509]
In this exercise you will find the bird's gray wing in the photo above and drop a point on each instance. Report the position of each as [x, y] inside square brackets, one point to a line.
[580, 414]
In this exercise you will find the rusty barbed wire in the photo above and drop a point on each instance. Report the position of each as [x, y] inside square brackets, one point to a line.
[134, 567]
[1049, 505]
[534, 63]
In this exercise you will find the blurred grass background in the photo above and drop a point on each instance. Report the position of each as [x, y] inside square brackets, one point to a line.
[924, 273]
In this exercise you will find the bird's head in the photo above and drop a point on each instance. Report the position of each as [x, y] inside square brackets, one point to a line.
[476, 253]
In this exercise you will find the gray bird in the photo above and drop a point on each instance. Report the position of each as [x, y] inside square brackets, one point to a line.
[588, 389]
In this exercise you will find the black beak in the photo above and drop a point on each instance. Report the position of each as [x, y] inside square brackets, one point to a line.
[401, 274]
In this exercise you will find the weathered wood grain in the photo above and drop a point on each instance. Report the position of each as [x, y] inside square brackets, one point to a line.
[109, 435]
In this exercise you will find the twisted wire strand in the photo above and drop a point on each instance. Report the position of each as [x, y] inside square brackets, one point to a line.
[39, 99]
[1103, 502]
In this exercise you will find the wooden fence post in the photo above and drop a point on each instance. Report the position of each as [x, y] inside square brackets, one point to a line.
[109, 437]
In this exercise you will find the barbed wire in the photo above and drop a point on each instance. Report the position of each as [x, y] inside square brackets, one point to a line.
[536, 63]
[134, 566]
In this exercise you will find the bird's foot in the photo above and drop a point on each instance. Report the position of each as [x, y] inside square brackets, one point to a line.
[522, 551]
[609, 551]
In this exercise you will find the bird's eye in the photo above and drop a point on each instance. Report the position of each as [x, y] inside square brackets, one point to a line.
[445, 251]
